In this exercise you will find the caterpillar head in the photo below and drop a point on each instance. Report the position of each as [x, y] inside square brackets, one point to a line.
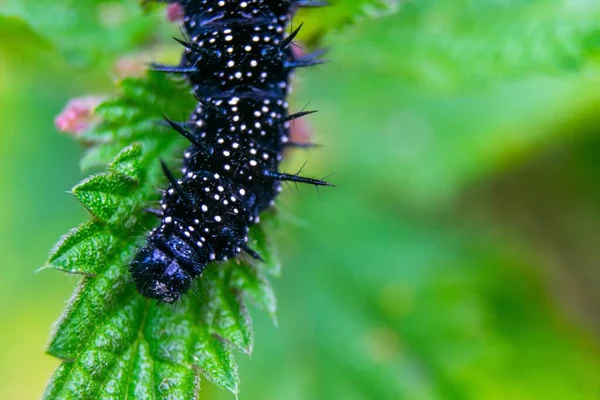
[161, 270]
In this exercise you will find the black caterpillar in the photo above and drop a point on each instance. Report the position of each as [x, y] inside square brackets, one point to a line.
[238, 60]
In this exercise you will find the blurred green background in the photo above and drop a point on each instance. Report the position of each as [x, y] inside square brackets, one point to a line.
[458, 257]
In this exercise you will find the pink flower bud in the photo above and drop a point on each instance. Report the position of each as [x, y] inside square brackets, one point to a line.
[77, 115]
[175, 12]
[130, 66]
[300, 131]
[297, 50]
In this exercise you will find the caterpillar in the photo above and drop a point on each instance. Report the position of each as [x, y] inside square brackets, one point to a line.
[238, 60]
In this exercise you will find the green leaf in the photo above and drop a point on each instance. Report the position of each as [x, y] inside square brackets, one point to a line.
[340, 13]
[127, 163]
[228, 315]
[214, 359]
[256, 286]
[428, 69]
[99, 156]
[19, 41]
[114, 342]
[122, 359]
[82, 250]
[444, 46]
[107, 196]
[76, 28]
[263, 244]
[92, 301]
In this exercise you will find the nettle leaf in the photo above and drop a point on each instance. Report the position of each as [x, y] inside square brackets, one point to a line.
[106, 196]
[256, 286]
[92, 301]
[228, 315]
[114, 342]
[126, 162]
[80, 250]
[262, 243]
[215, 358]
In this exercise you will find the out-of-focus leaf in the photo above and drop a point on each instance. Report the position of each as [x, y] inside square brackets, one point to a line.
[264, 245]
[340, 13]
[385, 301]
[446, 93]
[87, 33]
[19, 35]
[451, 314]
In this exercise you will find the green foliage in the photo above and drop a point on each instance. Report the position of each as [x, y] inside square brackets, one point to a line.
[418, 109]
[19, 36]
[395, 289]
[115, 343]
[426, 71]
[88, 32]
[446, 46]
[341, 13]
